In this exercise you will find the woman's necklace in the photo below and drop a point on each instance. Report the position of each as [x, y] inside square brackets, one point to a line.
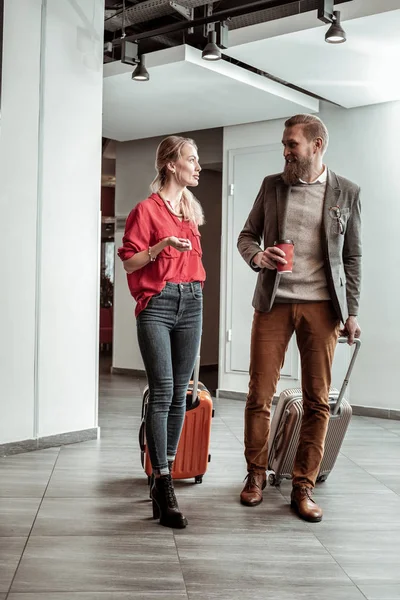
[169, 206]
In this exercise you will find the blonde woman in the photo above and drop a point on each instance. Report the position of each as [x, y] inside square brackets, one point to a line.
[162, 253]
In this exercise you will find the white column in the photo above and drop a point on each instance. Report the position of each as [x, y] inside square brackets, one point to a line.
[18, 206]
[69, 206]
[50, 148]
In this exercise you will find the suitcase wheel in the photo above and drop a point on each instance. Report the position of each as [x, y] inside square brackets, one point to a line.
[198, 479]
[273, 479]
[322, 478]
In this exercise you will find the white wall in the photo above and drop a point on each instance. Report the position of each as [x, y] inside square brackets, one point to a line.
[134, 173]
[126, 353]
[52, 76]
[19, 162]
[363, 147]
[70, 213]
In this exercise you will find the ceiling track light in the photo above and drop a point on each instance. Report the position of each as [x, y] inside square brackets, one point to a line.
[211, 51]
[140, 73]
[335, 33]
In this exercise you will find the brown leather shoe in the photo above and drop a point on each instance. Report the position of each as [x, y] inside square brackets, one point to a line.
[304, 505]
[252, 492]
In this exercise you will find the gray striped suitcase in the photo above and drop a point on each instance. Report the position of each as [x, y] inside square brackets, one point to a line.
[286, 424]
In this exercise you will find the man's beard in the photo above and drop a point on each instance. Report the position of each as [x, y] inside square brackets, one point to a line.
[298, 169]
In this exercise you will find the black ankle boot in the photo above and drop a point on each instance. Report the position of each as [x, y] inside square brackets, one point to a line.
[165, 505]
[151, 480]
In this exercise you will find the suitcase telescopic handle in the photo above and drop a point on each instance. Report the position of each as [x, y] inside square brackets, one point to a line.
[357, 344]
[196, 373]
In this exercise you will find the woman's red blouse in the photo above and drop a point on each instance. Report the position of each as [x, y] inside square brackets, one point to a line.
[148, 223]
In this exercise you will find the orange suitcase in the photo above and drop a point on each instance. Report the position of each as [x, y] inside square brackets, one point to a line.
[193, 456]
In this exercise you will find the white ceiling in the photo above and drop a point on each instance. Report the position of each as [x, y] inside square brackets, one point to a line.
[186, 93]
[359, 72]
[354, 9]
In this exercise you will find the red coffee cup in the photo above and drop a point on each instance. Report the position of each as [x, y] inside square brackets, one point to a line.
[288, 247]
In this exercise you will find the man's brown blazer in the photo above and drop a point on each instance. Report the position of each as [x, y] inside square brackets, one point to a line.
[341, 242]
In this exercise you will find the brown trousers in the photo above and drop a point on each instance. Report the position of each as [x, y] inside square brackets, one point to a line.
[317, 328]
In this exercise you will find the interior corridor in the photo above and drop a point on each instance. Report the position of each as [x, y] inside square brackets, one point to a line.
[75, 521]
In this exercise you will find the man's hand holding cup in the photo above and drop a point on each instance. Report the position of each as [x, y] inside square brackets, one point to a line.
[279, 256]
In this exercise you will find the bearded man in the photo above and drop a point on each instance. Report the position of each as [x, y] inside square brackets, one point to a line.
[320, 211]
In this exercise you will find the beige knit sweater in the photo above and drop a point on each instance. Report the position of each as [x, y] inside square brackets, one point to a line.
[307, 282]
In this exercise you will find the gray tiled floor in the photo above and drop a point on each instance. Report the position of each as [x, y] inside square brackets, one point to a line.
[75, 522]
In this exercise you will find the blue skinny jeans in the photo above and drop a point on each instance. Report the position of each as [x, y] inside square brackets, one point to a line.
[169, 332]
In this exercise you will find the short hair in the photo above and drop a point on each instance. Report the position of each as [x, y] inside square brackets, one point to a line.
[313, 128]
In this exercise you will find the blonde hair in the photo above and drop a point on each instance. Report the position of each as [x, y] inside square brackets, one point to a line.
[313, 128]
[170, 150]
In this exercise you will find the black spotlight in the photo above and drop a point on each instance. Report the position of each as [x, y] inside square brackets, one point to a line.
[335, 33]
[211, 51]
[140, 73]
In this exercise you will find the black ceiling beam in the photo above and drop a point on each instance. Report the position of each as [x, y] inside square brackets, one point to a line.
[131, 3]
[222, 15]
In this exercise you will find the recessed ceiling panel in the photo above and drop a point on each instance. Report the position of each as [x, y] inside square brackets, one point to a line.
[361, 71]
[187, 93]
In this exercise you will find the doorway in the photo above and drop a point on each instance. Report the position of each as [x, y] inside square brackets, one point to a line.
[209, 193]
